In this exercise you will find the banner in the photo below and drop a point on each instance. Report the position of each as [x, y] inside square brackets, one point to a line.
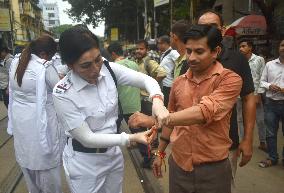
[5, 24]
[114, 34]
[160, 2]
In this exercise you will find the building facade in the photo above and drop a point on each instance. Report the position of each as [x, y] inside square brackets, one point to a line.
[50, 13]
[5, 24]
[26, 21]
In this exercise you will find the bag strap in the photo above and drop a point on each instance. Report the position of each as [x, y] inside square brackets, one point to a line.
[166, 53]
[120, 111]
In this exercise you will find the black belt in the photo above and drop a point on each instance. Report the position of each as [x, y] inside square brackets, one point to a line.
[77, 146]
[280, 102]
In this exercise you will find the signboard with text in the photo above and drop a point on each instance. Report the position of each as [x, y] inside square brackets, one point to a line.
[250, 31]
[160, 2]
[114, 34]
[5, 24]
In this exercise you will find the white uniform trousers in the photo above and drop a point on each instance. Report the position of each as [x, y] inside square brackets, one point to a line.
[94, 172]
[43, 181]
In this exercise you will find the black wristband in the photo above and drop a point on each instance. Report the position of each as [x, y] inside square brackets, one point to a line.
[164, 139]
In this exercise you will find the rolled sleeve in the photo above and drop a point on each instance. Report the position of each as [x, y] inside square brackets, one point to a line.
[156, 70]
[68, 113]
[221, 101]
[263, 80]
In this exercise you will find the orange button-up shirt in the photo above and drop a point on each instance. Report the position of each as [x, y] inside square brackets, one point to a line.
[216, 95]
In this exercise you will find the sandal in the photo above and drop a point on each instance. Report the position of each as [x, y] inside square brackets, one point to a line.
[266, 163]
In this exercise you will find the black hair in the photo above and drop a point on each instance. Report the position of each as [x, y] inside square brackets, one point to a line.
[75, 41]
[44, 43]
[143, 42]
[214, 12]
[248, 41]
[179, 28]
[165, 39]
[116, 48]
[213, 34]
[5, 49]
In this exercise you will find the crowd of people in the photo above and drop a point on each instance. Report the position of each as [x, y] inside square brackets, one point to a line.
[66, 101]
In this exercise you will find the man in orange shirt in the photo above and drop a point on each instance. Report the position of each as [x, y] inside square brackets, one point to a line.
[200, 103]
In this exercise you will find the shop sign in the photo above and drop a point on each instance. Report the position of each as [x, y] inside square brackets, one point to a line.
[114, 34]
[250, 31]
[5, 24]
[160, 2]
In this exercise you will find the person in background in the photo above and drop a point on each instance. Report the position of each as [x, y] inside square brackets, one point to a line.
[86, 101]
[32, 117]
[236, 62]
[256, 64]
[176, 36]
[128, 96]
[153, 69]
[152, 51]
[167, 61]
[6, 60]
[272, 80]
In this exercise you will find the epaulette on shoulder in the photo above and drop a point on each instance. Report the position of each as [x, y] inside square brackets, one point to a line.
[62, 86]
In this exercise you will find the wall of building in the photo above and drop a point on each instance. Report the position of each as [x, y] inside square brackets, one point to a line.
[27, 21]
[50, 15]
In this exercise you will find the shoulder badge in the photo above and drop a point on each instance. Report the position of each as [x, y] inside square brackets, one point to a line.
[62, 86]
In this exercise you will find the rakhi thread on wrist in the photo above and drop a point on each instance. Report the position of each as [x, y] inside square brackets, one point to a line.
[162, 155]
[155, 131]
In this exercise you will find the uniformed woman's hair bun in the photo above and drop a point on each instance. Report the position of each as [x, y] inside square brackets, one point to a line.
[74, 42]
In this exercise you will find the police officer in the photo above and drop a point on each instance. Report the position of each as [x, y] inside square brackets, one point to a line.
[86, 102]
[32, 117]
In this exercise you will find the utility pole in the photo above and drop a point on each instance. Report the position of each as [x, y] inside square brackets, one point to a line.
[171, 13]
[155, 24]
[145, 14]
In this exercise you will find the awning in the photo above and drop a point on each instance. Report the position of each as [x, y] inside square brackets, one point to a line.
[248, 25]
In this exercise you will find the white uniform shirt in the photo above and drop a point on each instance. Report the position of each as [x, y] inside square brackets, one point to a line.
[273, 73]
[77, 101]
[62, 69]
[32, 117]
[168, 62]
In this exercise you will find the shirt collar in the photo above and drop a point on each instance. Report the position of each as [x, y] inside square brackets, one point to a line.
[253, 56]
[278, 61]
[170, 48]
[216, 69]
[79, 83]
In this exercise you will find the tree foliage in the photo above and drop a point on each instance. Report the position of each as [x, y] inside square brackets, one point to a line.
[127, 15]
[59, 29]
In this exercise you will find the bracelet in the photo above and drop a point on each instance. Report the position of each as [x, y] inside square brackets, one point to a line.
[164, 139]
[158, 96]
[160, 154]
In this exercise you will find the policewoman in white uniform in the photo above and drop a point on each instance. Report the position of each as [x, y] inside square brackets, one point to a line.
[32, 116]
[86, 101]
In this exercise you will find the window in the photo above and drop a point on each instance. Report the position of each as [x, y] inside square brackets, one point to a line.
[51, 15]
[51, 22]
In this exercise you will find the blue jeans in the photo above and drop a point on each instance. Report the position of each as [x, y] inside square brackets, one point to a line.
[274, 112]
